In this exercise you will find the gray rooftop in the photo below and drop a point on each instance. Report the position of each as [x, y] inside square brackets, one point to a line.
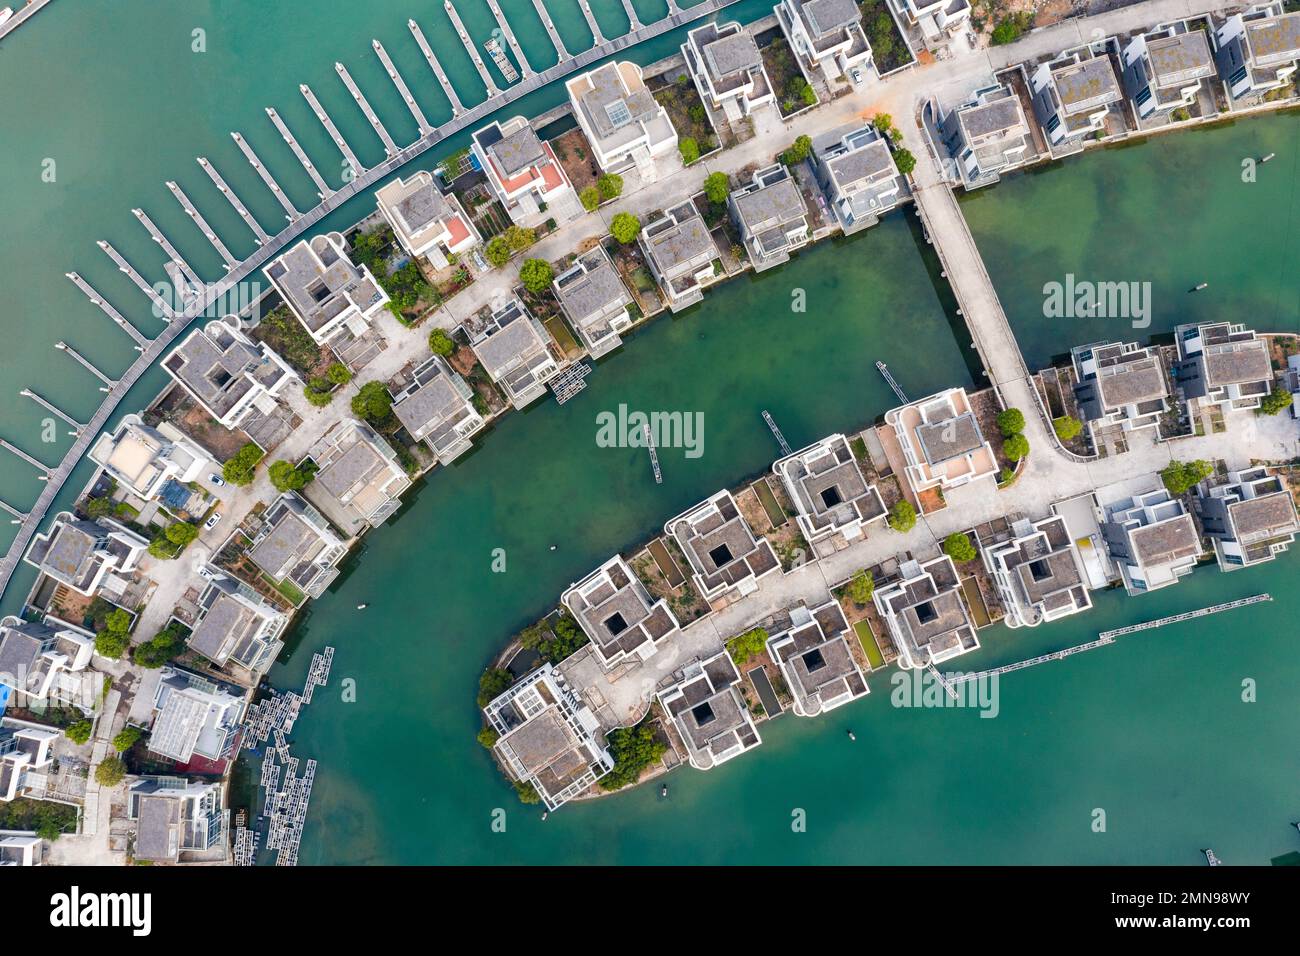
[227, 625]
[988, 119]
[680, 248]
[1179, 58]
[609, 108]
[1087, 84]
[945, 440]
[593, 292]
[320, 291]
[1275, 38]
[157, 832]
[1167, 541]
[1265, 516]
[775, 205]
[826, 16]
[518, 151]
[422, 207]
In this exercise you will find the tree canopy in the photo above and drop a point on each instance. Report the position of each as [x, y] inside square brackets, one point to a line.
[1015, 447]
[798, 151]
[904, 160]
[115, 638]
[750, 644]
[610, 186]
[689, 149]
[902, 517]
[440, 343]
[1181, 476]
[78, 731]
[239, 468]
[625, 227]
[373, 403]
[110, 772]
[1011, 421]
[958, 546]
[536, 275]
[717, 187]
[633, 749]
[286, 476]
[1275, 401]
[861, 587]
[1066, 427]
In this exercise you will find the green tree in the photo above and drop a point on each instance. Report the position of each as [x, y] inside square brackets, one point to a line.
[527, 793]
[744, 646]
[610, 186]
[689, 149]
[1274, 402]
[1066, 427]
[633, 749]
[798, 151]
[440, 343]
[126, 738]
[958, 546]
[497, 252]
[239, 469]
[181, 533]
[861, 587]
[160, 648]
[904, 160]
[99, 507]
[488, 737]
[1011, 421]
[902, 517]
[625, 227]
[1015, 447]
[338, 373]
[78, 731]
[883, 122]
[494, 682]
[115, 637]
[110, 772]
[518, 238]
[536, 275]
[717, 187]
[590, 198]
[1181, 476]
[285, 476]
[373, 403]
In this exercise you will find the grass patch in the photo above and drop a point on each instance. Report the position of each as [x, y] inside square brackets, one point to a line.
[869, 646]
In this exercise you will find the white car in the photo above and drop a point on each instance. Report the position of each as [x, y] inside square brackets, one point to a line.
[216, 480]
[212, 522]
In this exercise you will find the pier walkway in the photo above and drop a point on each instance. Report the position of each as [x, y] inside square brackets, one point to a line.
[268, 249]
[21, 16]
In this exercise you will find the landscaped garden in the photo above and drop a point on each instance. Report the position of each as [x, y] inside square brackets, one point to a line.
[888, 48]
[792, 90]
[696, 136]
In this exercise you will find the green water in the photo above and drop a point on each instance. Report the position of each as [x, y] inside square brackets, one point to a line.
[1173, 211]
[1151, 730]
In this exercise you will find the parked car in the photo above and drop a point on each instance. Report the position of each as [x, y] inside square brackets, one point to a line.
[216, 480]
[212, 522]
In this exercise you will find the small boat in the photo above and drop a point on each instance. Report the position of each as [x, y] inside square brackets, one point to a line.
[6, 13]
[1211, 859]
[1203, 285]
[362, 607]
[1264, 160]
[852, 735]
[545, 814]
[1296, 825]
[663, 791]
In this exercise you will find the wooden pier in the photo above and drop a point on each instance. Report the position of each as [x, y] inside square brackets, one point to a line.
[86, 364]
[21, 16]
[884, 370]
[471, 49]
[359, 98]
[162, 305]
[342, 144]
[402, 90]
[592, 25]
[259, 234]
[780, 439]
[547, 22]
[53, 409]
[322, 190]
[157, 236]
[438, 71]
[107, 308]
[198, 220]
[649, 439]
[290, 212]
[1189, 615]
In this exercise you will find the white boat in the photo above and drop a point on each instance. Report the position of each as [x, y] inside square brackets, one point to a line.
[1211, 859]
[5, 14]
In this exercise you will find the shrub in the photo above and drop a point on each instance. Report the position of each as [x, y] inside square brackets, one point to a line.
[633, 749]
[1274, 402]
[440, 343]
[78, 731]
[744, 646]
[285, 476]
[527, 793]
[160, 648]
[902, 517]
[1011, 421]
[1015, 447]
[338, 374]
[126, 738]
[494, 682]
[590, 198]
[625, 227]
[1066, 427]
[99, 507]
[517, 238]
[497, 252]
[488, 737]
[115, 638]
[798, 151]
[1181, 476]
[904, 160]
[689, 149]
[181, 533]
[1012, 28]
[536, 275]
[861, 587]
[610, 186]
[373, 403]
[239, 469]
[717, 187]
[958, 547]
[110, 772]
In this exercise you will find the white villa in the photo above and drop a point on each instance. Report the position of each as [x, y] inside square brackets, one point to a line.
[1039, 573]
[829, 491]
[235, 626]
[708, 712]
[1258, 51]
[926, 613]
[325, 289]
[1152, 540]
[425, 221]
[85, 555]
[620, 616]
[815, 660]
[727, 68]
[229, 374]
[826, 36]
[45, 662]
[142, 459]
[942, 442]
[1250, 517]
[625, 125]
[523, 173]
[721, 548]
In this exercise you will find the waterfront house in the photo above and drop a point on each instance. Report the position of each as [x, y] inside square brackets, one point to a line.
[515, 351]
[1073, 95]
[296, 548]
[327, 292]
[1165, 71]
[941, 442]
[827, 37]
[595, 301]
[830, 494]
[771, 217]
[1293, 382]
[523, 173]
[45, 662]
[724, 555]
[437, 408]
[193, 716]
[625, 125]
[24, 747]
[360, 481]
[1039, 572]
[87, 555]
[1249, 517]
[815, 660]
[620, 616]
[1223, 364]
[21, 848]
[926, 614]
[234, 627]
[549, 739]
[1120, 383]
[177, 820]
[709, 713]
[987, 136]
[234, 378]
[1257, 52]
[426, 221]
[855, 169]
[681, 254]
[938, 21]
[142, 459]
[1151, 539]
[724, 61]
